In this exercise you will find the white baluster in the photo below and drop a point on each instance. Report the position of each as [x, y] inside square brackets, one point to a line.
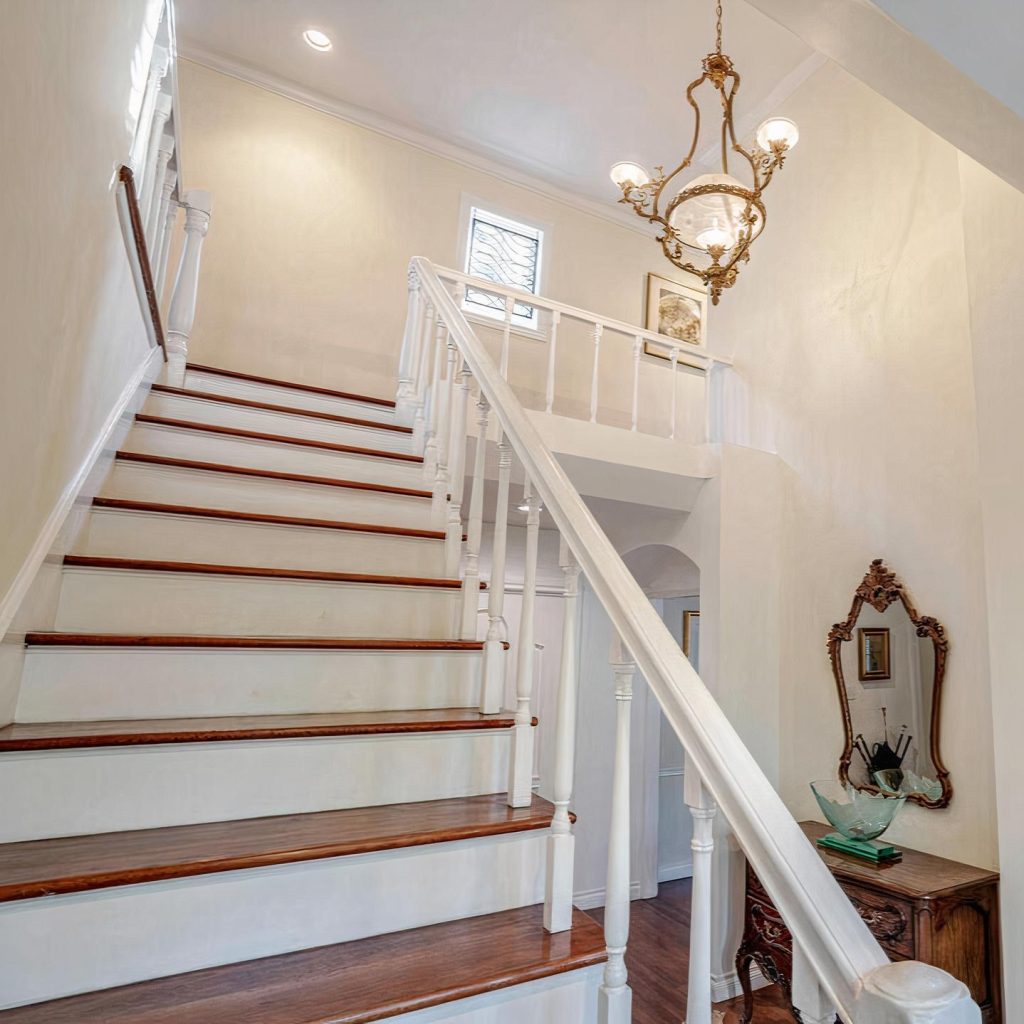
[158, 65]
[672, 413]
[598, 329]
[615, 999]
[419, 419]
[162, 245]
[410, 343]
[506, 336]
[495, 654]
[150, 185]
[638, 346]
[456, 472]
[182, 313]
[807, 994]
[556, 318]
[437, 356]
[156, 208]
[562, 842]
[703, 809]
[520, 783]
[474, 531]
[910, 992]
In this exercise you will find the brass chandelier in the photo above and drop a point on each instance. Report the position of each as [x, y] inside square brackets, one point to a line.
[715, 217]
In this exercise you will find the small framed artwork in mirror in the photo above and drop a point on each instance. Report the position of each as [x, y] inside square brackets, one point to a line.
[873, 651]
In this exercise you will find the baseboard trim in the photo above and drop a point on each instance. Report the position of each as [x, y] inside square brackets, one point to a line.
[591, 899]
[727, 986]
[146, 373]
[672, 872]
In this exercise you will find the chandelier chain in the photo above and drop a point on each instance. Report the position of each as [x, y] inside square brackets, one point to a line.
[718, 26]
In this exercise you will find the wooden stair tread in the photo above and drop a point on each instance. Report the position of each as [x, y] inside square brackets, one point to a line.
[270, 474]
[137, 732]
[351, 983]
[47, 867]
[288, 410]
[324, 643]
[313, 389]
[128, 505]
[258, 572]
[258, 435]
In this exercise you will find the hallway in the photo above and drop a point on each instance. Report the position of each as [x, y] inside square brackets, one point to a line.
[659, 942]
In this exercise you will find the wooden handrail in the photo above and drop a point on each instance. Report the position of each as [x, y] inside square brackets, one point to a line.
[142, 266]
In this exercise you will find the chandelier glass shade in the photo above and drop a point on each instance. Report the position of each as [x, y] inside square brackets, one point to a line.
[714, 218]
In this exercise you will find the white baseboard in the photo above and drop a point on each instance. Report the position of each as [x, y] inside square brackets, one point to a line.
[590, 899]
[671, 872]
[10, 602]
[727, 986]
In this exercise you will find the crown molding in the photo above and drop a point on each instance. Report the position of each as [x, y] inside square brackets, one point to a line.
[434, 145]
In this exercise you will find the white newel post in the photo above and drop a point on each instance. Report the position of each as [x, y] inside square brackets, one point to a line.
[456, 471]
[150, 185]
[443, 404]
[495, 655]
[520, 775]
[405, 398]
[182, 313]
[562, 842]
[156, 206]
[808, 996]
[910, 992]
[615, 998]
[419, 420]
[474, 530]
[162, 244]
[438, 349]
[703, 810]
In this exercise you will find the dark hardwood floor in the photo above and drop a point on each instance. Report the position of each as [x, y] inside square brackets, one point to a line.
[657, 958]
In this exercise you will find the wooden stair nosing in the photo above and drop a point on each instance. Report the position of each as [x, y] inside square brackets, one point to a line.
[312, 389]
[269, 474]
[49, 867]
[24, 736]
[349, 983]
[129, 505]
[40, 638]
[288, 410]
[258, 435]
[259, 572]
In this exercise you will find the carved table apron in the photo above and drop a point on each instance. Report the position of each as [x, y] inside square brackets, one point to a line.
[923, 908]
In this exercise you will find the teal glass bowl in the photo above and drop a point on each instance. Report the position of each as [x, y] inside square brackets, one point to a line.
[904, 782]
[855, 814]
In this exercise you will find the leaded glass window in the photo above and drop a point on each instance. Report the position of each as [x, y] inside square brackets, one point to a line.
[507, 253]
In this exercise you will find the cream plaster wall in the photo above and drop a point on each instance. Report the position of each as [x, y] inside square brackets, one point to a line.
[993, 226]
[72, 330]
[304, 267]
[852, 329]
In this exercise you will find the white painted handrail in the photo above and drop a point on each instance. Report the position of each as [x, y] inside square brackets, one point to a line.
[850, 969]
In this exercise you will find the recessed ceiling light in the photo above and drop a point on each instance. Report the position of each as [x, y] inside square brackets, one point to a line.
[317, 39]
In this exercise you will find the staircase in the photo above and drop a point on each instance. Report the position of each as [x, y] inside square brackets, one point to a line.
[249, 779]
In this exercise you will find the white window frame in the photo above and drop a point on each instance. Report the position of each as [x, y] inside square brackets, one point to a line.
[528, 326]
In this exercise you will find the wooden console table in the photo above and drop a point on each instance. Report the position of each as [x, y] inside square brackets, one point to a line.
[923, 908]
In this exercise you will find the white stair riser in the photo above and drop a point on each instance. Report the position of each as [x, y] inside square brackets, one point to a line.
[95, 684]
[118, 601]
[173, 486]
[44, 794]
[196, 380]
[124, 534]
[162, 403]
[66, 944]
[154, 439]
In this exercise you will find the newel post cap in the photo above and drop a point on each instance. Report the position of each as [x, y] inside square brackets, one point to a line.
[911, 992]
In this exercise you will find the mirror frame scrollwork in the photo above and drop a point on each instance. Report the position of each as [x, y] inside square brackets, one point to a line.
[879, 589]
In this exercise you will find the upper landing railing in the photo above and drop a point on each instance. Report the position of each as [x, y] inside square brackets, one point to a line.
[838, 966]
[565, 360]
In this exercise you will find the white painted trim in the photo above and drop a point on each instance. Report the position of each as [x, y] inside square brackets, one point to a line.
[727, 986]
[444, 148]
[590, 899]
[146, 373]
[672, 872]
[669, 773]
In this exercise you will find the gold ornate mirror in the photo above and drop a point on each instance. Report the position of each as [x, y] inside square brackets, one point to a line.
[889, 663]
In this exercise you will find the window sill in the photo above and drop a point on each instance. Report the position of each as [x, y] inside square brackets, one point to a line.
[496, 324]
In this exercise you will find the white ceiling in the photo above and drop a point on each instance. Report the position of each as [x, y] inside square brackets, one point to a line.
[559, 89]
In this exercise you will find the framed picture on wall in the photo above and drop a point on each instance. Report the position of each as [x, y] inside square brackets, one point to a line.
[679, 311]
[691, 634]
[873, 654]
